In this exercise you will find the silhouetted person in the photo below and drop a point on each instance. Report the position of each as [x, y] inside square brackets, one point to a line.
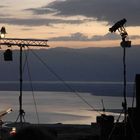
[33, 133]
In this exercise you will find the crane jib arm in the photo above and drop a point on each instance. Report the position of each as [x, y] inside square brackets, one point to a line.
[23, 42]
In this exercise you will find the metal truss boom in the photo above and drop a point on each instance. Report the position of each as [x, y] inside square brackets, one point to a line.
[23, 42]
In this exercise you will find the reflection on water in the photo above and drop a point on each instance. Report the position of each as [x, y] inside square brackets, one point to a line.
[57, 107]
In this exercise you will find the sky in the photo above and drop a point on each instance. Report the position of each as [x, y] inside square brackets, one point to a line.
[70, 23]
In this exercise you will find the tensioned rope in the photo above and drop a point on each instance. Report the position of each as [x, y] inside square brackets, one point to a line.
[31, 84]
[60, 79]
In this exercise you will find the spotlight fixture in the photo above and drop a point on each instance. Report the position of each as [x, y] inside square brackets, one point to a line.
[8, 55]
[118, 25]
[125, 44]
[2, 32]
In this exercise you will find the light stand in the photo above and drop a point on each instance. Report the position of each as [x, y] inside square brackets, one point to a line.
[124, 44]
[21, 111]
[20, 42]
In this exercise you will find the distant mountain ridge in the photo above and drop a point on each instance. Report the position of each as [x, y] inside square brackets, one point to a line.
[68, 64]
[88, 64]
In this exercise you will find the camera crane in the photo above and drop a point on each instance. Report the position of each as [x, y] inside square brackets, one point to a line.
[21, 43]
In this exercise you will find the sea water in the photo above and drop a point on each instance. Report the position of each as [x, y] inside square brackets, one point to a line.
[58, 107]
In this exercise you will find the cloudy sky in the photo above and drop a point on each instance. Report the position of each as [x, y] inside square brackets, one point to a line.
[70, 23]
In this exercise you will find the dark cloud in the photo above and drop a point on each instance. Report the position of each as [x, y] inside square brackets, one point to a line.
[102, 10]
[80, 37]
[26, 29]
[134, 37]
[2, 14]
[107, 36]
[2, 6]
[41, 11]
[73, 37]
[37, 21]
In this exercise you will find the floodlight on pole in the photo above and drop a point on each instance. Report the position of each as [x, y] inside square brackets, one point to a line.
[124, 44]
[118, 25]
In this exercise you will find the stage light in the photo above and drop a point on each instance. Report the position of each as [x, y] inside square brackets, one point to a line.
[8, 55]
[2, 32]
[118, 25]
[126, 44]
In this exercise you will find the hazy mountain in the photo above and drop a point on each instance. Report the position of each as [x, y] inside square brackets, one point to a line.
[88, 64]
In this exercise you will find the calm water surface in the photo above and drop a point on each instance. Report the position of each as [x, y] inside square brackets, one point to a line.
[57, 107]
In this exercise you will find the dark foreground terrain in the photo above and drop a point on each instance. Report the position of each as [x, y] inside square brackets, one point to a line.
[63, 131]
